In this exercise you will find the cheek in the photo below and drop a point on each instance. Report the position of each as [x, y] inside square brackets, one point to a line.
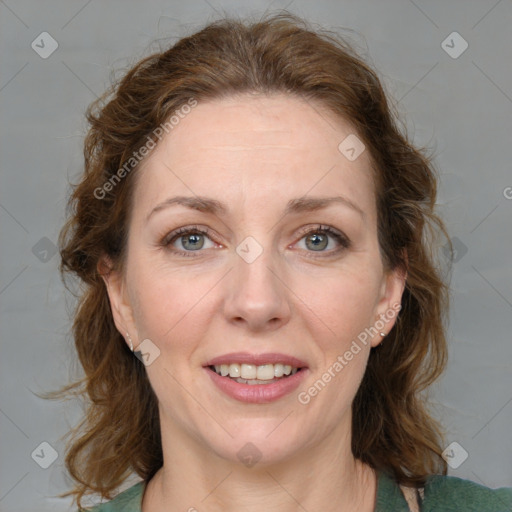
[339, 310]
[340, 305]
[171, 307]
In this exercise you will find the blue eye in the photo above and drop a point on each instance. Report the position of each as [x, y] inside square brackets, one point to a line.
[188, 239]
[318, 239]
[193, 241]
[323, 240]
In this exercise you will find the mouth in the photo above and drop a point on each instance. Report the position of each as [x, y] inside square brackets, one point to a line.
[256, 379]
[255, 375]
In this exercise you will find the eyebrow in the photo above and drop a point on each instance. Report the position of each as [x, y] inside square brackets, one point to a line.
[299, 205]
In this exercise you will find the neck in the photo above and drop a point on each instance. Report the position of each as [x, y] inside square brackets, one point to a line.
[325, 477]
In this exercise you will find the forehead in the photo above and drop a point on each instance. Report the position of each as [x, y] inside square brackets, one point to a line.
[257, 148]
[249, 121]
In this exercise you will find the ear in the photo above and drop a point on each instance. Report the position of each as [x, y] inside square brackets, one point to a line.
[122, 310]
[389, 304]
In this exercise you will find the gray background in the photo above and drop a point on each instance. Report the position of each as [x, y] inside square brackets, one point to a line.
[461, 107]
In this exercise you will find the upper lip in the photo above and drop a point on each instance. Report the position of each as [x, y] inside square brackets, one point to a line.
[256, 359]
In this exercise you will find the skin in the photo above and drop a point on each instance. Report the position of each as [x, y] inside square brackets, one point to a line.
[254, 153]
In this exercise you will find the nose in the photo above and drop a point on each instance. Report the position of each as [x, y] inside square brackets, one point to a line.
[257, 296]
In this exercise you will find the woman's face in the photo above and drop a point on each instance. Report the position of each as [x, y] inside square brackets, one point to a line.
[281, 265]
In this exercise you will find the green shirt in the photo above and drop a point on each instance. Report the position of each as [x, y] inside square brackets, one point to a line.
[442, 494]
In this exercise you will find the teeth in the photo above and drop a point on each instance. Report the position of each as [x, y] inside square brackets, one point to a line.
[278, 370]
[248, 371]
[234, 370]
[265, 372]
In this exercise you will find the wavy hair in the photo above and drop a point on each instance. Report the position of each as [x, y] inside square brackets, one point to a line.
[392, 427]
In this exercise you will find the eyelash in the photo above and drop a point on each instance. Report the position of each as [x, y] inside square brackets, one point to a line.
[326, 230]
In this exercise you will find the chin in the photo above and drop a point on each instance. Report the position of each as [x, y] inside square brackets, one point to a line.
[261, 445]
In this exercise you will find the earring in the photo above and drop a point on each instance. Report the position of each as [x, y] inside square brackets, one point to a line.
[383, 334]
[130, 340]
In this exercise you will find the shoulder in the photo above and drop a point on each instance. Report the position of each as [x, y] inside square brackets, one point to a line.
[127, 501]
[444, 494]
[449, 493]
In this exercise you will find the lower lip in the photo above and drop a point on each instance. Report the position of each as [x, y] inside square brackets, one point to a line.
[257, 393]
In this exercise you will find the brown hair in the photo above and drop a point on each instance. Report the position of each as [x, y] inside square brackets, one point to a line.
[392, 428]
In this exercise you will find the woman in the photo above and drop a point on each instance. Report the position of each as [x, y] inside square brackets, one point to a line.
[262, 306]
